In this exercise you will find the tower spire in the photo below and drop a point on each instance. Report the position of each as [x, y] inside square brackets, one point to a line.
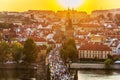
[69, 27]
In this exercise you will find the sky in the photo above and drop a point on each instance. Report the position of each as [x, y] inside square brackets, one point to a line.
[87, 5]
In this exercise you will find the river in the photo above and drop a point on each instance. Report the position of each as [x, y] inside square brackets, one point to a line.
[13, 74]
[98, 74]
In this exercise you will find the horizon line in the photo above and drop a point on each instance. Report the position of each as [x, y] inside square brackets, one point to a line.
[58, 10]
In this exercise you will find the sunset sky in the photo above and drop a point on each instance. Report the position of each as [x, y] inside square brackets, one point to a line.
[86, 5]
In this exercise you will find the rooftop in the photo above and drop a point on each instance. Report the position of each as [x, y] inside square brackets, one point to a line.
[95, 47]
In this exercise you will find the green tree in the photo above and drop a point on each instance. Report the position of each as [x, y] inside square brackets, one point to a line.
[4, 51]
[117, 19]
[69, 50]
[17, 49]
[100, 17]
[108, 61]
[1, 34]
[49, 49]
[30, 51]
[27, 20]
[110, 16]
[5, 25]
[64, 54]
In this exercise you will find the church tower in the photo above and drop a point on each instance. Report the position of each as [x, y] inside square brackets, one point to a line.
[69, 30]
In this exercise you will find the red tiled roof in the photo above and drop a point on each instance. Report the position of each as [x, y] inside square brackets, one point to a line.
[79, 40]
[82, 33]
[41, 47]
[37, 39]
[95, 47]
[114, 36]
[51, 42]
[90, 25]
[58, 42]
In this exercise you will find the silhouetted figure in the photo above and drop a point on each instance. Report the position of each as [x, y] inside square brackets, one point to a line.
[76, 75]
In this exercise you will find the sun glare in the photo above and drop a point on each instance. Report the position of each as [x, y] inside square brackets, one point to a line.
[70, 3]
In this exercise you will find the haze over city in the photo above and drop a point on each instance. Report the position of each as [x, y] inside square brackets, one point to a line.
[55, 5]
[59, 39]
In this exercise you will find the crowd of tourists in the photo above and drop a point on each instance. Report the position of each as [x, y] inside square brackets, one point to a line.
[58, 69]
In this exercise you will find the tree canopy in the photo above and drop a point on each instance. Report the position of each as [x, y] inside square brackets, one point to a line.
[30, 51]
[117, 19]
[17, 49]
[69, 50]
[4, 51]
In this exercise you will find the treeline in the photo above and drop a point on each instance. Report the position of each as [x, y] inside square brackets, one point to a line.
[102, 17]
[7, 25]
[110, 16]
[10, 16]
[16, 52]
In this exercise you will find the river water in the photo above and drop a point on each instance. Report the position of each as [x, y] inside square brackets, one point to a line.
[13, 74]
[99, 75]
[82, 74]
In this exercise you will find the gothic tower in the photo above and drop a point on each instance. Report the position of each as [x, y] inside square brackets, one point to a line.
[69, 30]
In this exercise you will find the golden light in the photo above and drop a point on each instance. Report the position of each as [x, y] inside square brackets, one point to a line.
[70, 3]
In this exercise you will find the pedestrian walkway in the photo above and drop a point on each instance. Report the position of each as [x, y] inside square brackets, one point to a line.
[57, 67]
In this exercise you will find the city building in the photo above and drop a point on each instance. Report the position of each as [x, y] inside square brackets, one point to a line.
[98, 38]
[91, 26]
[118, 49]
[94, 51]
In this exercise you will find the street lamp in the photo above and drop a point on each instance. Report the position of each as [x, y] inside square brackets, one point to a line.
[70, 62]
[76, 75]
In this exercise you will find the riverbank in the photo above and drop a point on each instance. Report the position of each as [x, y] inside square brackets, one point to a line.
[94, 66]
[98, 74]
